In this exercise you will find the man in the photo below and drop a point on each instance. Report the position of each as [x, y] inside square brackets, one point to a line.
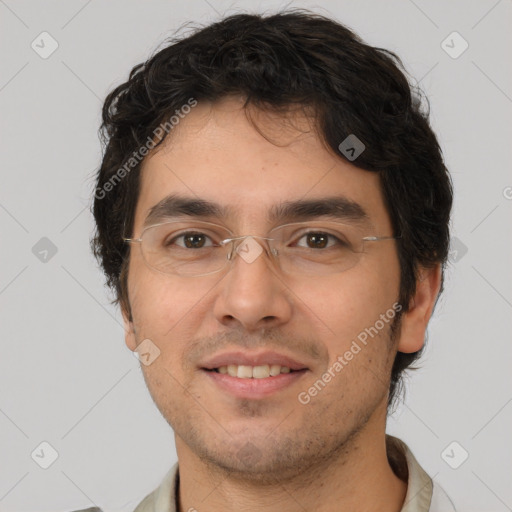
[272, 212]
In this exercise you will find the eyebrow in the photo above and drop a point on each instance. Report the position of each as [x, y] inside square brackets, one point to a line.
[331, 207]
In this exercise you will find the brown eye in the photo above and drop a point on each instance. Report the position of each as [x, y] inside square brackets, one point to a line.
[190, 240]
[194, 241]
[317, 240]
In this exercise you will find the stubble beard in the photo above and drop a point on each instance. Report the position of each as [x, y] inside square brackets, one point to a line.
[322, 436]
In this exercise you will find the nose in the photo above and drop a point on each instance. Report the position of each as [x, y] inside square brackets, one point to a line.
[253, 293]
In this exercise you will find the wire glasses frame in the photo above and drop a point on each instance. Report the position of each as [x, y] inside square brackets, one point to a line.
[160, 252]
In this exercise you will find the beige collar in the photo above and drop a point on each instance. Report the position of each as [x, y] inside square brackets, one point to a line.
[419, 484]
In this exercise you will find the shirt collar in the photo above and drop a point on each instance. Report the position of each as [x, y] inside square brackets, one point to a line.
[417, 499]
[419, 484]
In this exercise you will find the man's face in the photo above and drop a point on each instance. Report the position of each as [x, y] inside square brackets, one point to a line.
[251, 312]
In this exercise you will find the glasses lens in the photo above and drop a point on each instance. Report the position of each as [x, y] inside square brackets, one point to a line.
[185, 248]
[195, 248]
[317, 248]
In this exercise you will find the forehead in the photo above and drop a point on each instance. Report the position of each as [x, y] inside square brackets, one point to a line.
[216, 154]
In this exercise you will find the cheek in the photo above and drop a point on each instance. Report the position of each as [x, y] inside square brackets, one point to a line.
[359, 308]
[161, 309]
[159, 303]
[342, 307]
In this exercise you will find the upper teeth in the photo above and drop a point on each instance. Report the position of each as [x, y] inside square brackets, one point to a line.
[256, 372]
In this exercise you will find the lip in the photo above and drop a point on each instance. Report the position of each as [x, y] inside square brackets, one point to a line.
[253, 388]
[252, 359]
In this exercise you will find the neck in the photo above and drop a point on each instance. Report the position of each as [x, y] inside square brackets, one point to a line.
[358, 478]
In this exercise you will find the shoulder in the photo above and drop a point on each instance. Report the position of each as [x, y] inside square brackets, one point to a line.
[422, 492]
[162, 499]
[440, 500]
[90, 509]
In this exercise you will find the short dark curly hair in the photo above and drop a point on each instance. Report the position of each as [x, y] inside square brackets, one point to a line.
[277, 62]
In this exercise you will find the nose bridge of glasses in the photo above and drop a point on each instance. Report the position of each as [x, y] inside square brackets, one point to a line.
[250, 247]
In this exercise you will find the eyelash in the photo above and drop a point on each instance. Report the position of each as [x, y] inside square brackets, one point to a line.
[189, 233]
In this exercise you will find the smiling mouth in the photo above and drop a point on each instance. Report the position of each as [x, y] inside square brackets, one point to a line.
[257, 381]
[253, 372]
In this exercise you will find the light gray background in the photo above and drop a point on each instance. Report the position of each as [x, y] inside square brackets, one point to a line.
[66, 376]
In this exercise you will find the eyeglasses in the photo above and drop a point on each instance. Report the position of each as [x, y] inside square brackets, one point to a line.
[198, 248]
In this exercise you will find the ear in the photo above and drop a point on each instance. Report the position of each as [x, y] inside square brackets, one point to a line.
[129, 330]
[415, 320]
